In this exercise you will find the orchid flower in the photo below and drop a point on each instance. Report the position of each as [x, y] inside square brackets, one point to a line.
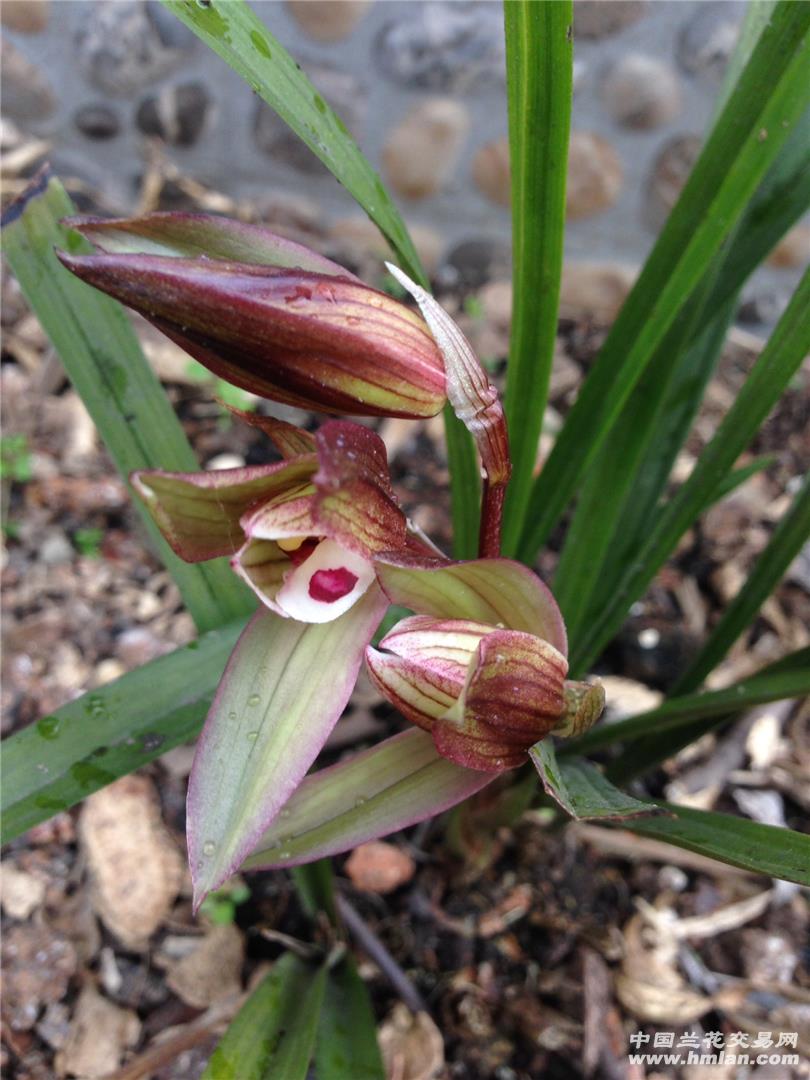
[267, 314]
[304, 532]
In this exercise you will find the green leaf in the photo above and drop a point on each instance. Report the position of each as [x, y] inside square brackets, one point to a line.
[581, 789]
[101, 354]
[759, 689]
[273, 1034]
[787, 541]
[58, 761]
[539, 64]
[765, 849]
[316, 888]
[624, 484]
[347, 1038]
[283, 690]
[236, 34]
[397, 783]
[773, 370]
[780, 681]
[766, 104]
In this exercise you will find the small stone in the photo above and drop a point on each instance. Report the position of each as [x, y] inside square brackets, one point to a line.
[642, 92]
[670, 172]
[627, 697]
[97, 121]
[56, 548]
[360, 239]
[211, 970]
[421, 153]
[594, 289]
[327, 20]
[26, 93]
[225, 461]
[178, 114]
[594, 175]
[100, 1033]
[22, 893]
[443, 47]
[37, 966]
[793, 250]
[600, 18]
[379, 867]
[490, 171]
[138, 646]
[473, 263]
[342, 90]
[708, 39]
[108, 671]
[25, 16]
[760, 308]
[125, 47]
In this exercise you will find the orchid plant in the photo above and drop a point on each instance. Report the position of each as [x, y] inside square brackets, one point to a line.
[290, 568]
[320, 539]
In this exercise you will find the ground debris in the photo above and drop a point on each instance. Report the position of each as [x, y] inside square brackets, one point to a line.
[135, 869]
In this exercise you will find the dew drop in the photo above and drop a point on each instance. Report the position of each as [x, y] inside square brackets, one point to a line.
[252, 736]
[361, 800]
[284, 854]
[284, 812]
[209, 847]
[254, 700]
[231, 715]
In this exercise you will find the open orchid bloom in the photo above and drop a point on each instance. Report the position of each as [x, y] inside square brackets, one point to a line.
[267, 314]
[303, 533]
[485, 678]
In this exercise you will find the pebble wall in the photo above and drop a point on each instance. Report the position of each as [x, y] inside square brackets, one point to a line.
[420, 83]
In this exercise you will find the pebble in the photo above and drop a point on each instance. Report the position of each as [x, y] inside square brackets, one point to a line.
[26, 92]
[327, 20]
[793, 250]
[97, 121]
[594, 175]
[443, 46]
[473, 263]
[642, 91]
[379, 867]
[707, 41]
[421, 152]
[178, 114]
[56, 548]
[490, 171]
[125, 47]
[670, 171]
[25, 16]
[596, 19]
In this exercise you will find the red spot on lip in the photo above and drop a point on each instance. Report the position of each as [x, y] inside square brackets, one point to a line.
[331, 585]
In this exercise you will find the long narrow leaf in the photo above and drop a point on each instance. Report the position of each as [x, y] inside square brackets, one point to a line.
[781, 358]
[766, 104]
[623, 487]
[273, 1034]
[235, 33]
[539, 62]
[765, 849]
[283, 690]
[398, 783]
[60, 760]
[347, 1037]
[790, 535]
[759, 689]
[648, 750]
[105, 363]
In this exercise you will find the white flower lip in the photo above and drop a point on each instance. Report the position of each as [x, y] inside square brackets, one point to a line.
[295, 596]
